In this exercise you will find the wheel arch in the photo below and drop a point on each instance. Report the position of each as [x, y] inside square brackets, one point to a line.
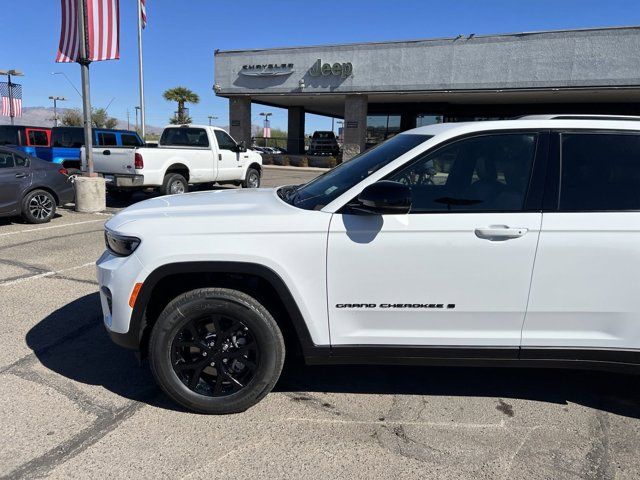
[254, 279]
[32, 188]
[178, 167]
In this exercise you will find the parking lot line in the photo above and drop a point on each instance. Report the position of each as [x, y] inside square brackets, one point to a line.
[50, 227]
[44, 274]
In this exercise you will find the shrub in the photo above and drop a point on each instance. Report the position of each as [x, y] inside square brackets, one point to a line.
[304, 162]
[332, 162]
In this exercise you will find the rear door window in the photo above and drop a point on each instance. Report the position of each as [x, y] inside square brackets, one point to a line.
[107, 139]
[8, 136]
[38, 138]
[67, 137]
[599, 171]
[184, 137]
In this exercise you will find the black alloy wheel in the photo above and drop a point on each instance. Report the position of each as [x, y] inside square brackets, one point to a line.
[214, 355]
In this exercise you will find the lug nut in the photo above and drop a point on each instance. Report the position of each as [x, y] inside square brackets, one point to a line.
[204, 354]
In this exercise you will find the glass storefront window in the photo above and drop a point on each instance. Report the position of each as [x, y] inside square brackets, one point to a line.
[381, 127]
[423, 119]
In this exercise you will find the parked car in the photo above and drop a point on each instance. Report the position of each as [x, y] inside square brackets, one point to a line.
[31, 187]
[490, 243]
[67, 141]
[187, 154]
[31, 140]
[323, 143]
[258, 149]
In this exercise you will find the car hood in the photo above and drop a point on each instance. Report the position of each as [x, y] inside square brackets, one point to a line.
[225, 211]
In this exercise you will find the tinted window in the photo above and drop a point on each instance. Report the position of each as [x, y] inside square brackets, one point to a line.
[67, 137]
[131, 140]
[329, 186]
[107, 139]
[6, 160]
[486, 173]
[184, 137]
[225, 142]
[8, 136]
[38, 138]
[600, 172]
[20, 160]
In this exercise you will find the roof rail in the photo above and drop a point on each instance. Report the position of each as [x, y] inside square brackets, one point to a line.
[580, 116]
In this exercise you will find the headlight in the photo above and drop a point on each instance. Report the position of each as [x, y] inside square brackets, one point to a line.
[119, 244]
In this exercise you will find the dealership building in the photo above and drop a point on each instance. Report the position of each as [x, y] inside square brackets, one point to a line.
[380, 89]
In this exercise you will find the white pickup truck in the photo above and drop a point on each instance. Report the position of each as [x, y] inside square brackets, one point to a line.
[186, 154]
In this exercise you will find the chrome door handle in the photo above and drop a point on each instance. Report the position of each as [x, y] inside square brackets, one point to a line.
[500, 232]
[107, 152]
[22, 175]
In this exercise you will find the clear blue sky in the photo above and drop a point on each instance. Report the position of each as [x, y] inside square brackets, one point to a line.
[182, 34]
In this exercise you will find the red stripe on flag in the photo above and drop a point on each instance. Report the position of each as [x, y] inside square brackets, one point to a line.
[117, 22]
[109, 25]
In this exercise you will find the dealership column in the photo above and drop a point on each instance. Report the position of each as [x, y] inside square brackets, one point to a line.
[295, 131]
[240, 119]
[355, 125]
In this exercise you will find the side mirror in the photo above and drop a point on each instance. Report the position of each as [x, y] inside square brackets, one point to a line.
[385, 198]
[241, 147]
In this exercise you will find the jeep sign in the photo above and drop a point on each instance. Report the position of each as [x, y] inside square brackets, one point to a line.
[342, 70]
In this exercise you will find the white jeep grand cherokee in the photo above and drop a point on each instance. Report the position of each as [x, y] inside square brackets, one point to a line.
[509, 242]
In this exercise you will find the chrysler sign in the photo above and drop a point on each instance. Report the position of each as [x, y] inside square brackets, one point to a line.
[267, 69]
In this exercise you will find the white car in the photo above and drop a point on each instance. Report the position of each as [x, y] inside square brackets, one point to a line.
[185, 154]
[509, 242]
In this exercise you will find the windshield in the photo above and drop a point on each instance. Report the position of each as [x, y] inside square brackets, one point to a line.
[329, 186]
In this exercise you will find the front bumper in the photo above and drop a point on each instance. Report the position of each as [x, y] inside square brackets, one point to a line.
[116, 279]
[123, 181]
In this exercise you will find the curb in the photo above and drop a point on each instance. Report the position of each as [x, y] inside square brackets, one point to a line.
[300, 169]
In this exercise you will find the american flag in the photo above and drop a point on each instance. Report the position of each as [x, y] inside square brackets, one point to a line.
[16, 99]
[143, 13]
[103, 31]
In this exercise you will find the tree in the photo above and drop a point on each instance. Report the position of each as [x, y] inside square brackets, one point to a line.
[181, 95]
[71, 118]
[100, 119]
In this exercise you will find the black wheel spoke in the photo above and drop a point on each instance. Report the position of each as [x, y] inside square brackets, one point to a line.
[218, 341]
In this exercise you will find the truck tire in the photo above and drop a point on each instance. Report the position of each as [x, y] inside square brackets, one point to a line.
[38, 206]
[251, 179]
[174, 183]
[216, 351]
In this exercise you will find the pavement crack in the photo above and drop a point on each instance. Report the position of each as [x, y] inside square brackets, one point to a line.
[42, 465]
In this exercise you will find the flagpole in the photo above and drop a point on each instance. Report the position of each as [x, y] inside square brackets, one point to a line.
[84, 72]
[140, 71]
[9, 86]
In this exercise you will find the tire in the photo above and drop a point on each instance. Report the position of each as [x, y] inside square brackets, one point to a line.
[38, 206]
[251, 179]
[248, 357]
[174, 183]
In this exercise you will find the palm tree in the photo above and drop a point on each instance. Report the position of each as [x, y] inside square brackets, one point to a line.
[181, 95]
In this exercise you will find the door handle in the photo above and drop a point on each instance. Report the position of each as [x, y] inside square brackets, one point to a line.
[22, 175]
[219, 157]
[106, 152]
[500, 232]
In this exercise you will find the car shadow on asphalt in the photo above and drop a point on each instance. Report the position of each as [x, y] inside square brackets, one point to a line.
[73, 343]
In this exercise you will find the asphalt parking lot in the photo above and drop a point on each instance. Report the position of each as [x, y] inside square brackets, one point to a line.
[74, 405]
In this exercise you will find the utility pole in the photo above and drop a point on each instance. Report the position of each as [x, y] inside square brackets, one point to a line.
[55, 108]
[128, 127]
[84, 72]
[140, 71]
[211, 117]
[137, 108]
[8, 73]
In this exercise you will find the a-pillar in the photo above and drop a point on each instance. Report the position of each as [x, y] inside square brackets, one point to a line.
[295, 131]
[355, 126]
[240, 119]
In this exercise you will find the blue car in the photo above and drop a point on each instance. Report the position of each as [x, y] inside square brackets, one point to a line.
[30, 140]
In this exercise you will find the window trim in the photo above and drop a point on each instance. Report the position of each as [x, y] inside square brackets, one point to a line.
[554, 183]
[537, 177]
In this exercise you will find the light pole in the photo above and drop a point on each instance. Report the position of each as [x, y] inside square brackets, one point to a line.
[8, 73]
[340, 124]
[266, 129]
[68, 80]
[55, 108]
[211, 117]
